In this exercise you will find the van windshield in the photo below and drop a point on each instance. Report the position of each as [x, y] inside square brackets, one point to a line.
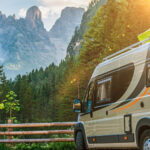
[89, 95]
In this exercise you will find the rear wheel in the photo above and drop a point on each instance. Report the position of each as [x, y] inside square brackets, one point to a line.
[145, 140]
[80, 144]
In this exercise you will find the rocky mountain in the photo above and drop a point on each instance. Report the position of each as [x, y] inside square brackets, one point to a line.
[63, 30]
[25, 44]
[74, 46]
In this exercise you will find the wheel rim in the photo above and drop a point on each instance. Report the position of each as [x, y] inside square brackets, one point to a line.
[146, 145]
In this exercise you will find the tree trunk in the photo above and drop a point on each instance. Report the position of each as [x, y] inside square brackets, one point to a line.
[10, 115]
[10, 121]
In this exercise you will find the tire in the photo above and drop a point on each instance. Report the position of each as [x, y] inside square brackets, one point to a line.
[145, 140]
[80, 144]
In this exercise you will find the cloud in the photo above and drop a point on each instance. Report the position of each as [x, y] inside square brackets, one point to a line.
[22, 12]
[57, 5]
[45, 12]
[64, 3]
[13, 67]
[51, 9]
[48, 16]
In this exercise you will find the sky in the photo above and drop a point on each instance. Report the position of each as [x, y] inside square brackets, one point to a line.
[51, 9]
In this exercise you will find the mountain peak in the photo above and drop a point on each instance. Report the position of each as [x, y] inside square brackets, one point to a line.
[33, 13]
[14, 16]
[34, 16]
[72, 11]
[69, 19]
[63, 29]
[2, 16]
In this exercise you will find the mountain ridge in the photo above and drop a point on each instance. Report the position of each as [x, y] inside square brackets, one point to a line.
[26, 45]
[63, 29]
[74, 46]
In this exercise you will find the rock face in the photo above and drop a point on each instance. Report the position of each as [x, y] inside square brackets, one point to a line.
[63, 30]
[34, 17]
[26, 45]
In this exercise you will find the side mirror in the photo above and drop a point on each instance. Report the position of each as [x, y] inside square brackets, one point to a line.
[77, 106]
[89, 106]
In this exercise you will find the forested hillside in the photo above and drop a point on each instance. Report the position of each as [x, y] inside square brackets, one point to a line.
[48, 94]
[75, 43]
[61, 32]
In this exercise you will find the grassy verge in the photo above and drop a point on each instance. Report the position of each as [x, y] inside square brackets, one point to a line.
[4, 147]
[45, 146]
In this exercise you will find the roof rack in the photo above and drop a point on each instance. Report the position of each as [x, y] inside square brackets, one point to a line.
[126, 49]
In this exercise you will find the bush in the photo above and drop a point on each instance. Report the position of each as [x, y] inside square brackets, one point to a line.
[4, 147]
[46, 146]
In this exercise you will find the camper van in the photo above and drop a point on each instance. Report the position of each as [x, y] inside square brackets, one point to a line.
[115, 112]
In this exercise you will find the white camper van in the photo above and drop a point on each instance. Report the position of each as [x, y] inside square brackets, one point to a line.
[115, 112]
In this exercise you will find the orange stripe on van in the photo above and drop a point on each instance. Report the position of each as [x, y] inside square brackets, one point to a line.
[133, 102]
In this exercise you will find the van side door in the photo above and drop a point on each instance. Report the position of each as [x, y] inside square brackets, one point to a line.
[88, 108]
[103, 123]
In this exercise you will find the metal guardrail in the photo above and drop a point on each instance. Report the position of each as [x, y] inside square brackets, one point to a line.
[37, 140]
[37, 132]
[29, 125]
[11, 133]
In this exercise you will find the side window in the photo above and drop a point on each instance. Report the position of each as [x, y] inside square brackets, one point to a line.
[148, 75]
[103, 93]
[121, 81]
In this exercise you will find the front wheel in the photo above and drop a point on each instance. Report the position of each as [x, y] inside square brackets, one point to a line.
[145, 140]
[80, 144]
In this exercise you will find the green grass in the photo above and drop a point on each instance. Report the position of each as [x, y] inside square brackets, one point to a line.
[45, 146]
[4, 147]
